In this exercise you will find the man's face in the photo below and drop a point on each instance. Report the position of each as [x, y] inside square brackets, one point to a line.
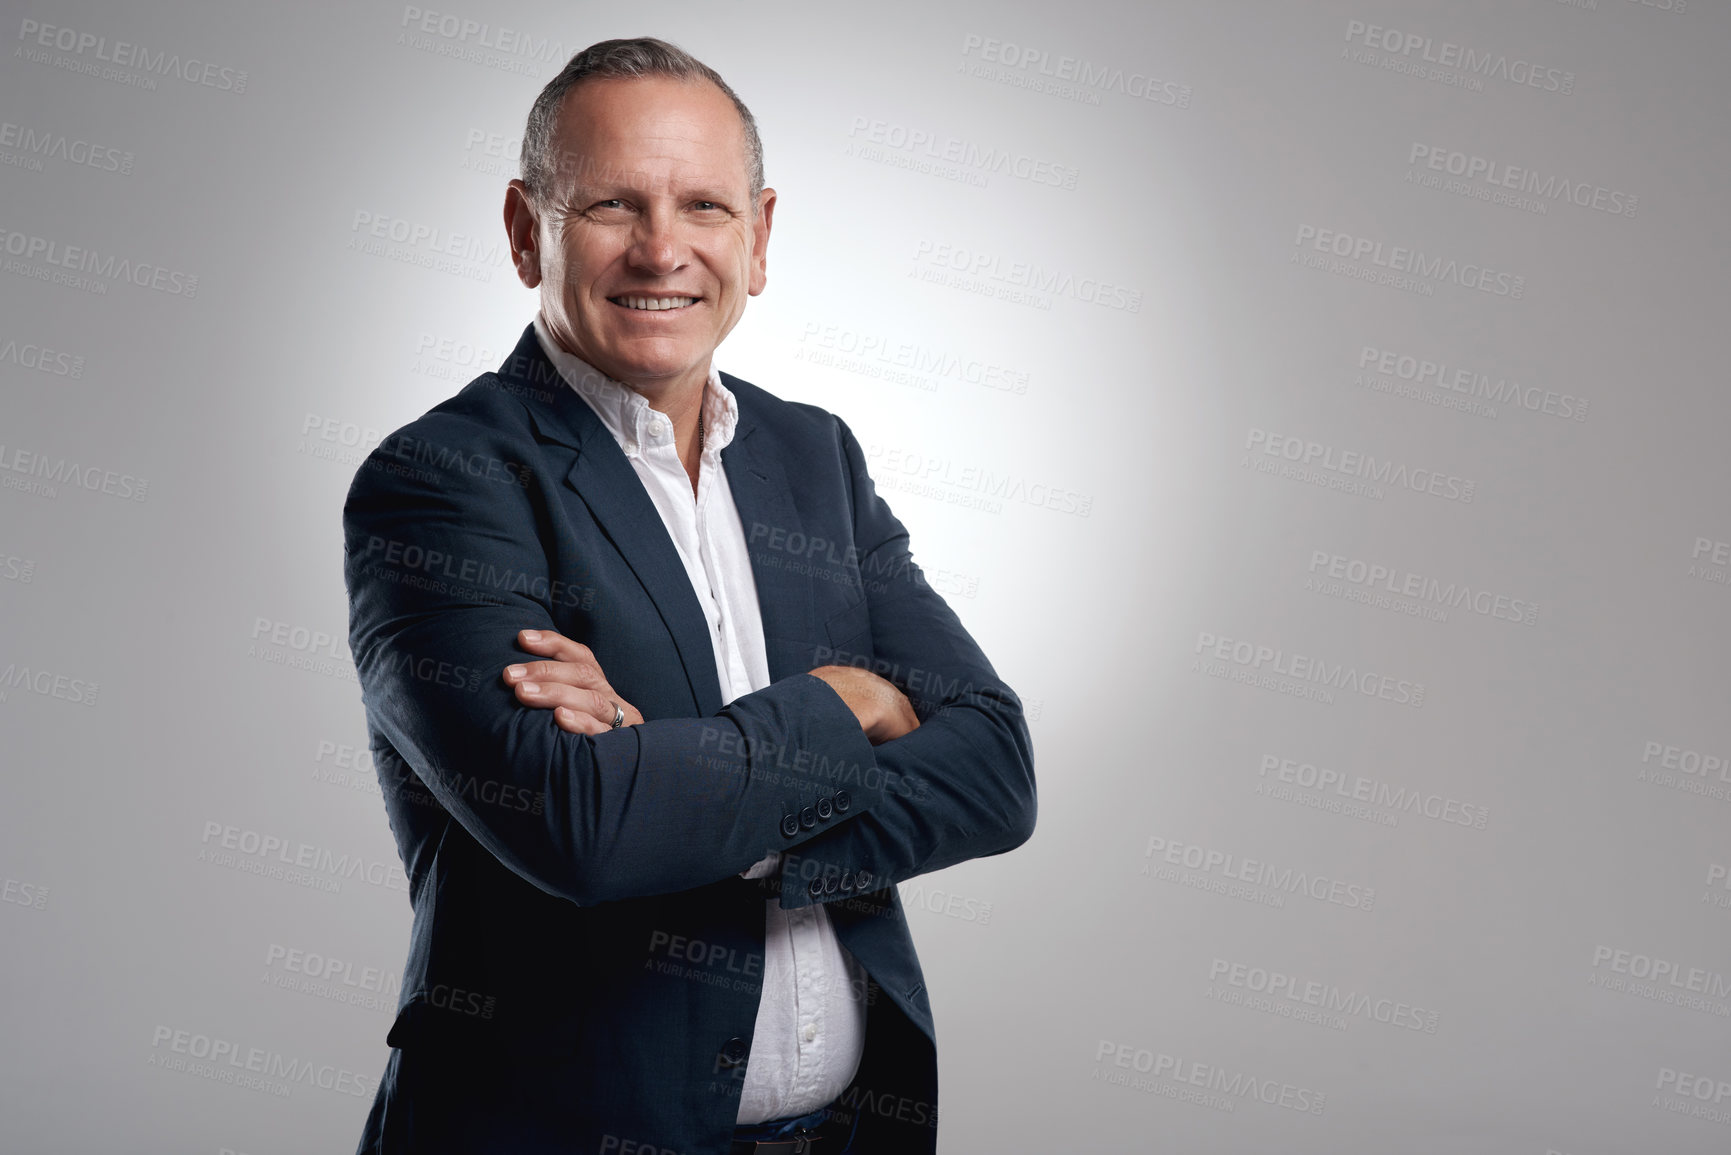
[647, 244]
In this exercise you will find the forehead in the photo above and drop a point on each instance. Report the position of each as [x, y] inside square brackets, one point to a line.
[649, 131]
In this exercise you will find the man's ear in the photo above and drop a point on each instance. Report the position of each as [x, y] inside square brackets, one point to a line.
[522, 228]
[760, 240]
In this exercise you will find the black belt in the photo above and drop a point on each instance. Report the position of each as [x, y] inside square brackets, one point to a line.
[826, 1138]
[799, 1143]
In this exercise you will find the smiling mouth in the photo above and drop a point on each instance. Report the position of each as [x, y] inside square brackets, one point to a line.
[654, 304]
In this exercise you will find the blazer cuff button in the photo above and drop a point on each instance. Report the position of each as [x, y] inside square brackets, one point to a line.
[789, 825]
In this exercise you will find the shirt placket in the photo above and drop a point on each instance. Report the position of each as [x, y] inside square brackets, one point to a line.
[662, 457]
[809, 996]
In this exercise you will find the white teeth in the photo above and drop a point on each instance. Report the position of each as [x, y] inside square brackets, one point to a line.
[656, 302]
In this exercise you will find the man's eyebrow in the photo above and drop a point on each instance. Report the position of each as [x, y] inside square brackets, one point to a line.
[587, 179]
[719, 196]
[603, 189]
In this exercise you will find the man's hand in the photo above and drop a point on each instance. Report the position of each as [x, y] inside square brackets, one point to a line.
[884, 712]
[570, 683]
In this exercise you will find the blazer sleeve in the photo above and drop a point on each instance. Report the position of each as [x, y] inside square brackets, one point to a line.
[960, 786]
[667, 805]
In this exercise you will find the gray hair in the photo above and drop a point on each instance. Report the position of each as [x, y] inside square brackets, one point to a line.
[637, 59]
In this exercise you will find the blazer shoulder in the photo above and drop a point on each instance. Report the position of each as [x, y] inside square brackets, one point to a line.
[483, 419]
[488, 405]
[793, 422]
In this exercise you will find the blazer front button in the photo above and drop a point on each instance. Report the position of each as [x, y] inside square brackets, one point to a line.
[732, 1052]
[789, 825]
[825, 808]
[808, 818]
[843, 800]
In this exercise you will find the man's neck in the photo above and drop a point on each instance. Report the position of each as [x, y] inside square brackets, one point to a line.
[679, 399]
[685, 411]
[682, 404]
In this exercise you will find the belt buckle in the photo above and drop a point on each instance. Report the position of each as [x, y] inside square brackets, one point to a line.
[803, 1141]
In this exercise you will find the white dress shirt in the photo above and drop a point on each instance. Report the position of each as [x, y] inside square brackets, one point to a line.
[811, 1018]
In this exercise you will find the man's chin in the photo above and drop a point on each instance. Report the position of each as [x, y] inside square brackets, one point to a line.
[651, 374]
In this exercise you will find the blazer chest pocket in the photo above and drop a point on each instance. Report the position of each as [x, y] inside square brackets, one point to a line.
[850, 632]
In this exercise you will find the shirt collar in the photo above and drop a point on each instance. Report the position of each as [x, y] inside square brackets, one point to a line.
[627, 414]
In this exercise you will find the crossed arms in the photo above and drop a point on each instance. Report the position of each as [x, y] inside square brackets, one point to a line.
[668, 803]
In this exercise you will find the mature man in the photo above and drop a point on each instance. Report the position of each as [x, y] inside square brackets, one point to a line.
[662, 706]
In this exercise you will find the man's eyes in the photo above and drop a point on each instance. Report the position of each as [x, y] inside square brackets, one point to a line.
[618, 206]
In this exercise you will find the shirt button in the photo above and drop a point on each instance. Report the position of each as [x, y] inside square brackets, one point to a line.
[809, 1033]
[733, 1052]
[657, 428]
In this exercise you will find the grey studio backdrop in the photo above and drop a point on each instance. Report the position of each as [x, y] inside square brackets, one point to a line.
[1315, 410]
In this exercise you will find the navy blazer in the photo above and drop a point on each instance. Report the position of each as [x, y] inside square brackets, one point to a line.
[586, 963]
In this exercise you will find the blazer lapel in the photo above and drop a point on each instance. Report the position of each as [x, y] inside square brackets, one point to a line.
[616, 499]
[602, 478]
[767, 513]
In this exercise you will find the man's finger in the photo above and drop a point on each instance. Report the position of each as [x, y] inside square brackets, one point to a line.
[553, 644]
[548, 695]
[577, 722]
[575, 673]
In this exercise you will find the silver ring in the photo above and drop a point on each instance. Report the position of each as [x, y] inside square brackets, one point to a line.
[618, 716]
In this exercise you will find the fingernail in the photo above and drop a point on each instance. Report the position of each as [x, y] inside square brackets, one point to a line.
[516, 671]
[532, 687]
[531, 635]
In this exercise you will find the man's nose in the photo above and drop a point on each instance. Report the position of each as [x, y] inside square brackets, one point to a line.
[656, 248]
